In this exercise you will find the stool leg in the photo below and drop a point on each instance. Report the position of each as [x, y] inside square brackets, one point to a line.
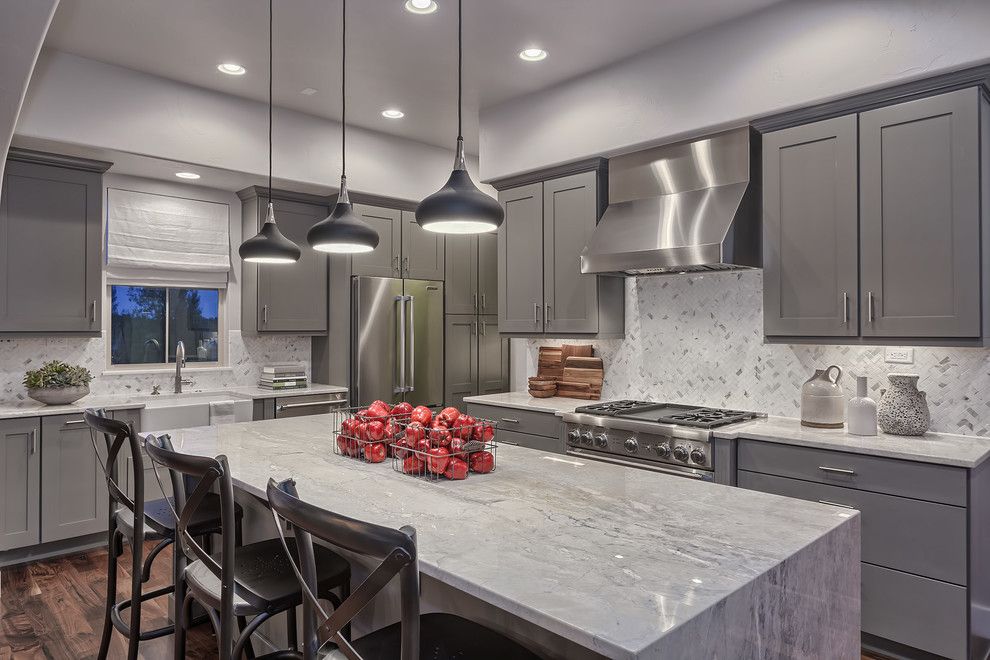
[242, 621]
[134, 639]
[292, 634]
[112, 554]
[179, 581]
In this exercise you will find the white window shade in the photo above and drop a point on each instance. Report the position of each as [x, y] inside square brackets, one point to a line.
[159, 238]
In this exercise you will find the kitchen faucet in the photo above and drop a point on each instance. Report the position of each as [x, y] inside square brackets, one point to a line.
[180, 361]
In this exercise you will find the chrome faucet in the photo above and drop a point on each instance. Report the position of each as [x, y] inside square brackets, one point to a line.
[180, 361]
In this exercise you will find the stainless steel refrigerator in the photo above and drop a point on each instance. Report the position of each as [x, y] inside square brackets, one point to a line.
[396, 341]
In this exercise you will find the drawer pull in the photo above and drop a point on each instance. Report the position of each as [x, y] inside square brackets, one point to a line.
[844, 506]
[74, 422]
[825, 468]
[506, 442]
[509, 420]
[308, 404]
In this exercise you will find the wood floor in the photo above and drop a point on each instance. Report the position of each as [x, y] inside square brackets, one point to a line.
[54, 610]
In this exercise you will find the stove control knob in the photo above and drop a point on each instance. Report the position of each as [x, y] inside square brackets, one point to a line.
[587, 437]
[681, 453]
[663, 451]
[574, 437]
[601, 441]
[631, 445]
[698, 456]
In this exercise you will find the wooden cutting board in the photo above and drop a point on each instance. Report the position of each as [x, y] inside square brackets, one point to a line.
[576, 390]
[575, 350]
[550, 363]
[587, 371]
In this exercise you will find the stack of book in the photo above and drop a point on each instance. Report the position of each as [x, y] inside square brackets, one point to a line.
[283, 376]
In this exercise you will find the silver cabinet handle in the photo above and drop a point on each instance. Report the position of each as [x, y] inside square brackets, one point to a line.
[33, 442]
[509, 420]
[536, 313]
[845, 307]
[308, 404]
[844, 506]
[869, 305]
[92, 312]
[506, 442]
[825, 468]
[401, 335]
[264, 314]
[484, 328]
[412, 344]
[546, 314]
[405, 264]
[395, 264]
[474, 328]
[484, 305]
[474, 301]
[74, 422]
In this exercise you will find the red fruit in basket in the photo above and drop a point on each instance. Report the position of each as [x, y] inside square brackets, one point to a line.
[392, 430]
[449, 415]
[437, 460]
[482, 462]
[378, 410]
[400, 448]
[456, 445]
[456, 469]
[374, 452]
[464, 426]
[421, 414]
[402, 410]
[412, 465]
[414, 433]
[375, 431]
[342, 444]
[422, 446]
[381, 404]
[483, 433]
[440, 436]
[362, 415]
[361, 431]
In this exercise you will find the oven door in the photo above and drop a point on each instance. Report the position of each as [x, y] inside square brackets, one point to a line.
[633, 462]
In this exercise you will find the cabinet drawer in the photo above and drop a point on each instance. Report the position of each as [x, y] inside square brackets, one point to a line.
[539, 442]
[922, 481]
[923, 613]
[310, 404]
[517, 419]
[910, 535]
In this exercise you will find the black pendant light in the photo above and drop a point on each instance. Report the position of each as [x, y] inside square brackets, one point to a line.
[269, 246]
[459, 207]
[343, 231]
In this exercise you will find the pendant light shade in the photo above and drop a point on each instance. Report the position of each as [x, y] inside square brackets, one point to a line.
[269, 246]
[343, 231]
[459, 207]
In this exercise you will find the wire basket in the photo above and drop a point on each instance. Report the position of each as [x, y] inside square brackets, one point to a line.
[464, 447]
[362, 434]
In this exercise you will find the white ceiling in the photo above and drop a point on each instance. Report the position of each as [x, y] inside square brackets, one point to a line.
[395, 59]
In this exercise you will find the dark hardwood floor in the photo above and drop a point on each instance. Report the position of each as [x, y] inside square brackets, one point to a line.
[53, 610]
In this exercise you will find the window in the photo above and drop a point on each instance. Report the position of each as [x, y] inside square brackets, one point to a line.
[146, 322]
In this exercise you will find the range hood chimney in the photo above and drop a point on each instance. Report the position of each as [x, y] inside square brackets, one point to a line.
[686, 207]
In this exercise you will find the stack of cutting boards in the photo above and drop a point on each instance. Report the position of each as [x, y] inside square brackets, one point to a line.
[578, 374]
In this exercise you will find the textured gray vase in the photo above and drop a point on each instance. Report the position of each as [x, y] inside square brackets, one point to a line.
[58, 396]
[903, 410]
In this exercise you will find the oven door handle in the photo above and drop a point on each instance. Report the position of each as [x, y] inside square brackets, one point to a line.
[691, 473]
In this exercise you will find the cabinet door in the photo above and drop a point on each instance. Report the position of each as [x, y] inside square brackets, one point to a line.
[460, 359]
[461, 274]
[570, 212]
[520, 260]
[20, 470]
[493, 357]
[293, 297]
[50, 216]
[422, 251]
[920, 217]
[810, 280]
[74, 497]
[488, 273]
[383, 261]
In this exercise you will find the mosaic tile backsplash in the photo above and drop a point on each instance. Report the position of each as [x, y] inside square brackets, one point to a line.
[247, 354]
[699, 339]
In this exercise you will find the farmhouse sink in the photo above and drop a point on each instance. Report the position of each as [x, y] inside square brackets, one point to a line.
[179, 411]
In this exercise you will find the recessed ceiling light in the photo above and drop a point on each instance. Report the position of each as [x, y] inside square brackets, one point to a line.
[231, 69]
[187, 175]
[421, 6]
[393, 113]
[309, 91]
[533, 54]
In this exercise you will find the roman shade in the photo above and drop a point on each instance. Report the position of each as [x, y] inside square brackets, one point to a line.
[173, 240]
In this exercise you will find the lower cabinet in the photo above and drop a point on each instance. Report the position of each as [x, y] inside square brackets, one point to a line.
[125, 464]
[522, 427]
[20, 474]
[74, 497]
[476, 357]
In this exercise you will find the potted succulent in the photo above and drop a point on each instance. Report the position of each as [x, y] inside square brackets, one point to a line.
[57, 383]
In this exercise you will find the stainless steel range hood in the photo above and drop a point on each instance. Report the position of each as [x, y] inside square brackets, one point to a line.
[686, 207]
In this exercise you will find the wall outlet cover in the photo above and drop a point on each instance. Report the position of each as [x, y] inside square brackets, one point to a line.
[896, 355]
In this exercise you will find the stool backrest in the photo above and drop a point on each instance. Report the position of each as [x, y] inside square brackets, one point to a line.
[117, 434]
[394, 548]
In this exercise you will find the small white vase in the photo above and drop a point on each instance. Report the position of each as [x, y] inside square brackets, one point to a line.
[903, 410]
[861, 414]
[823, 404]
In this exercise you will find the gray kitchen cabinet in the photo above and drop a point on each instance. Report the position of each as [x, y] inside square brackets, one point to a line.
[525, 428]
[284, 298]
[41, 200]
[125, 463]
[460, 358]
[487, 273]
[384, 260]
[520, 260]
[74, 497]
[920, 217]
[20, 476]
[493, 357]
[461, 272]
[810, 272]
[422, 251]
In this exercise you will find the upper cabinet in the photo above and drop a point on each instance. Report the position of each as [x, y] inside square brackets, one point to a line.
[422, 251]
[404, 248]
[50, 229]
[540, 285]
[873, 224]
[284, 298]
[471, 274]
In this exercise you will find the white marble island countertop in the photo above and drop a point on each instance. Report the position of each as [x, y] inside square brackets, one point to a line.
[626, 563]
[522, 400]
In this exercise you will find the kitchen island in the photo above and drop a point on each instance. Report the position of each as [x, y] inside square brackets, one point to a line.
[585, 558]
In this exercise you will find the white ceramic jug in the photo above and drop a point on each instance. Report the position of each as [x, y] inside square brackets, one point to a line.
[823, 403]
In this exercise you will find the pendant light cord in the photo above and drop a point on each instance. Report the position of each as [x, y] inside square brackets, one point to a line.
[271, 23]
[343, 89]
[460, 69]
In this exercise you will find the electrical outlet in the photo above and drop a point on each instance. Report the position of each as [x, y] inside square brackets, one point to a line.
[57, 342]
[895, 355]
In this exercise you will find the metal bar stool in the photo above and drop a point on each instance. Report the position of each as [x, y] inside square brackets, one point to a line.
[253, 580]
[415, 636]
[134, 520]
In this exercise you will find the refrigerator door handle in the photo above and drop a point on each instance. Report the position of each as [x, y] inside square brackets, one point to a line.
[412, 344]
[401, 335]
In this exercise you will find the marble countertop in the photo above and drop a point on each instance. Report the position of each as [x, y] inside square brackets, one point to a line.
[943, 448]
[612, 558]
[30, 408]
[553, 404]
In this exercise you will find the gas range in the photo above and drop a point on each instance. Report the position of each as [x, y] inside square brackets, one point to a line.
[662, 437]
